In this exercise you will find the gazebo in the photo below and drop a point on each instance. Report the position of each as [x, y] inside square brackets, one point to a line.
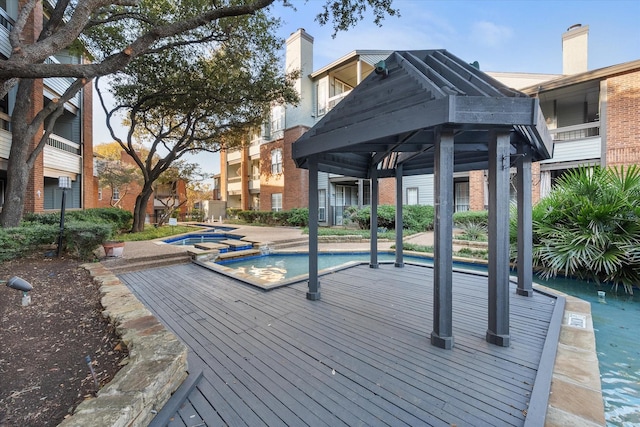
[429, 112]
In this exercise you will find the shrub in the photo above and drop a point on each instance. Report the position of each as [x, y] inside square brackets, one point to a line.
[83, 237]
[475, 217]
[233, 212]
[589, 227]
[414, 217]
[19, 241]
[120, 219]
[41, 218]
[297, 217]
[474, 231]
[418, 217]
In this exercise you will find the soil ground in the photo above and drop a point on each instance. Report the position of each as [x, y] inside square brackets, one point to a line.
[44, 374]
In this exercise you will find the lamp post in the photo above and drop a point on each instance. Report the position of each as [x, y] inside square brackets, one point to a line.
[64, 182]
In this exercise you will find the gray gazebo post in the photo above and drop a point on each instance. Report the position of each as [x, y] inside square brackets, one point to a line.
[314, 284]
[499, 146]
[373, 223]
[525, 229]
[442, 335]
[399, 223]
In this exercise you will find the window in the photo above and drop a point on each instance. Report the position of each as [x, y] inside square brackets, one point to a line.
[115, 195]
[100, 193]
[340, 87]
[321, 97]
[276, 202]
[276, 160]
[322, 205]
[461, 196]
[412, 196]
[277, 118]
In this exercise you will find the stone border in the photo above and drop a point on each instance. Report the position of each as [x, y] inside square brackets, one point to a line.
[156, 367]
[576, 392]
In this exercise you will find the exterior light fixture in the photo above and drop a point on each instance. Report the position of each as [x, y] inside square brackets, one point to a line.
[381, 69]
[23, 286]
[64, 183]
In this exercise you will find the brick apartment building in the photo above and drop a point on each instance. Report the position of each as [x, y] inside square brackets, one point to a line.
[164, 195]
[69, 151]
[592, 115]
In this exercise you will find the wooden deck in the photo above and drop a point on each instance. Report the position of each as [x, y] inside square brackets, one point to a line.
[359, 356]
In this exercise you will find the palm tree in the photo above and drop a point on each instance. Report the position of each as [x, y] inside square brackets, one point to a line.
[589, 227]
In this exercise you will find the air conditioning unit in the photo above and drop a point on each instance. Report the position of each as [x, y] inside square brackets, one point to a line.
[322, 216]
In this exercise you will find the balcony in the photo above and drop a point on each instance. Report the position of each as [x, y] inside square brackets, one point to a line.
[254, 186]
[60, 84]
[60, 154]
[576, 143]
[234, 156]
[254, 151]
[234, 186]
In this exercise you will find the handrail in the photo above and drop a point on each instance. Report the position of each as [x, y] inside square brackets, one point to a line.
[63, 144]
[573, 132]
[581, 126]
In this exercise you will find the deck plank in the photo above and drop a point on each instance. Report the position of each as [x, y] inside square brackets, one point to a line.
[359, 356]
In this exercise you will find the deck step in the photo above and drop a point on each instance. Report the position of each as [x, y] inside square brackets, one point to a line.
[239, 254]
[233, 244]
[281, 244]
[207, 246]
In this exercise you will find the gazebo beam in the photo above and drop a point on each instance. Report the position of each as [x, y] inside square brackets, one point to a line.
[498, 328]
[373, 219]
[442, 335]
[314, 283]
[525, 229]
[399, 222]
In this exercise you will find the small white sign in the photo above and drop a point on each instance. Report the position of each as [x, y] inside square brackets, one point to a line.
[173, 221]
[577, 320]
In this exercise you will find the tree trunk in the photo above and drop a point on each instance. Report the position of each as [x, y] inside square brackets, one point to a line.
[18, 167]
[140, 210]
[18, 173]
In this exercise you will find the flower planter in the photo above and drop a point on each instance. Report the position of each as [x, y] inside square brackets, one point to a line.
[113, 249]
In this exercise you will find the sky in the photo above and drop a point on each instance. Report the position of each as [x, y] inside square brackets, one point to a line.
[502, 35]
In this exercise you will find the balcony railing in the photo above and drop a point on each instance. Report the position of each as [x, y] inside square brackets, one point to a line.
[63, 144]
[581, 131]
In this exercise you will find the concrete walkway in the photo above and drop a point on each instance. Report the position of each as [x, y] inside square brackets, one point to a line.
[154, 249]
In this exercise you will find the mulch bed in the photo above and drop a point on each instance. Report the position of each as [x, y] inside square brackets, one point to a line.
[43, 346]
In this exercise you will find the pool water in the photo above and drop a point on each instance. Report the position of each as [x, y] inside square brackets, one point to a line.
[616, 320]
[214, 235]
[278, 267]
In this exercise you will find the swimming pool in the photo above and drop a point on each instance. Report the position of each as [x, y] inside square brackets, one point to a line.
[615, 321]
[615, 318]
[214, 235]
[276, 267]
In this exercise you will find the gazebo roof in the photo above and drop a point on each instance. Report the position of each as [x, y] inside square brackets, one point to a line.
[394, 115]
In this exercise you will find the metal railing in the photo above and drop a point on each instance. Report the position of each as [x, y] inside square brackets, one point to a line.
[581, 131]
[63, 144]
